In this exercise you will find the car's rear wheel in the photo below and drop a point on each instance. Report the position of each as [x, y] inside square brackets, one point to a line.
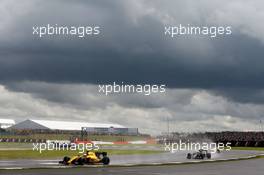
[208, 155]
[105, 160]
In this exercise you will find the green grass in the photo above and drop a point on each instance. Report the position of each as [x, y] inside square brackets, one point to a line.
[13, 145]
[30, 154]
[8, 145]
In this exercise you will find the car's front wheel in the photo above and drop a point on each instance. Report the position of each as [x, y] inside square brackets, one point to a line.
[65, 160]
[189, 156]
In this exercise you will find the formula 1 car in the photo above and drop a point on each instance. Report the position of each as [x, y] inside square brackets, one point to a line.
[90, 158]
[201, 154]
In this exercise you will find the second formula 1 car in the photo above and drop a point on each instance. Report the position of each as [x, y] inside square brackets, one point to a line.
[201, 154]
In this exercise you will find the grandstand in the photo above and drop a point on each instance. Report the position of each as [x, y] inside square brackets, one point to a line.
[236, 138]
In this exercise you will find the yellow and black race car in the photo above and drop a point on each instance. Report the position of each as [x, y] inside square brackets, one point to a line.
[90, 158]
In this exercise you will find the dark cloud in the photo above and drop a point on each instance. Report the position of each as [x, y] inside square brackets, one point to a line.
[85, 96]
[242, 95]
[132, 47]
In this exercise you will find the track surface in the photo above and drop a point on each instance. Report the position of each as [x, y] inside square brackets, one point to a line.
[127, 159]
[244, 167]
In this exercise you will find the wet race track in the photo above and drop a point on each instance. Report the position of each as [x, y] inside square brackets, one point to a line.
[154, 164]
[123, 160]
[243, 167]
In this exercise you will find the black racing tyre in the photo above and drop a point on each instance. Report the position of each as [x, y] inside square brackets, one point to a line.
[65, 160]
[208, 155]
[105, 160]
[189, 156]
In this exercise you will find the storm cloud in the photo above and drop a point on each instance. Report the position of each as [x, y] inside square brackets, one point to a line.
[132, 48]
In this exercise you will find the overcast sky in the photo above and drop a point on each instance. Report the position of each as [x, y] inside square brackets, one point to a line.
[212, 84]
